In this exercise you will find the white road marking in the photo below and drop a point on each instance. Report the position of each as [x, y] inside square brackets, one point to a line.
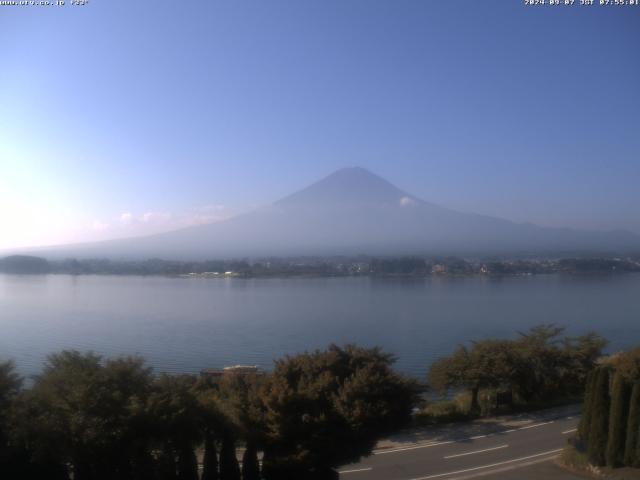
[355, 470]
[415, 447]
[435, 444]
[536, 425]
[550, 452]
[477, 451]
[570, 431]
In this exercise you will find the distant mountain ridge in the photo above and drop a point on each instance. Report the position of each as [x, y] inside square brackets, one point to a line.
[353, 211]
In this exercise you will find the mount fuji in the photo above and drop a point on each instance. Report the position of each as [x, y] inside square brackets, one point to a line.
[353, 211]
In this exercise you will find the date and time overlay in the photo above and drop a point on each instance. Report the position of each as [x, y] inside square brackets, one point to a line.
[44, 3]
[528, 3]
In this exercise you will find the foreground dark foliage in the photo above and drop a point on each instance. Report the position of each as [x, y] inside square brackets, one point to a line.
[609, 429]
[536, 368]
[329, 408]
[90, 419]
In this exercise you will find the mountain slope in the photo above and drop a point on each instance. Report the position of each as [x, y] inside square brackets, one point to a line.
[353, 211]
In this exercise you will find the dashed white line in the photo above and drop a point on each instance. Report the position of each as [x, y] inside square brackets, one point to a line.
[476, 451]
[355, 470]
[434, 444]
[438, 475]
[570, 431]
[415, 447]
[536, 425]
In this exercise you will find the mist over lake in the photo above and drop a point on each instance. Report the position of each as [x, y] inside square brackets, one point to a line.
[184, 325]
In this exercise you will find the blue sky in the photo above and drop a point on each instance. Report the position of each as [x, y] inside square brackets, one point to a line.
[123, 118]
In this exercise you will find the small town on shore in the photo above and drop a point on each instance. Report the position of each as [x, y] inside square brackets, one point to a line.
[339, 266]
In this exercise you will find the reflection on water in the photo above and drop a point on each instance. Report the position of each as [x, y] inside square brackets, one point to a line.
[183, 325]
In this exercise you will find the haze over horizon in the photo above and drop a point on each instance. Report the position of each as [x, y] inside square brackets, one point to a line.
[137, 120]
[353, 212]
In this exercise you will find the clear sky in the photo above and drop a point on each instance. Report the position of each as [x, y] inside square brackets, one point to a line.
[127, 117]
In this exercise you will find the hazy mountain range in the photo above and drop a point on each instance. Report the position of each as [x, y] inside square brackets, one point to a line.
[353, 211]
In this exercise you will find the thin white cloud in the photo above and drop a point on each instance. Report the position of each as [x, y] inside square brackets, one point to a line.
[131, 224]
[156, 217]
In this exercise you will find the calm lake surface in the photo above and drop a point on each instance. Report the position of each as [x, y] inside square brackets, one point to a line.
[183, 325]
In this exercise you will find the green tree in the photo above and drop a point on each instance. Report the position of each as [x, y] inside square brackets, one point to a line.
[213, 423]
[229, 468]
[633, 428]
[82, 412]
[540, 363]
[585, 420]
[618, 418]
[628, 364]
[187, 464]
[177, 418]
[10, 385]
[250, 465]
[580, 357]
[210, 460]
[597, 446]
[239, 400]
[487, 364]
[166, 466]
[327, 408]
[537, 366]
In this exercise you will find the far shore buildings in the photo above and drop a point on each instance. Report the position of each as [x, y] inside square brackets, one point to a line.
[439, 269]
[241, 370]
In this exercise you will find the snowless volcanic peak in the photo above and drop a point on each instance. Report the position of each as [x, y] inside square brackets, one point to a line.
[353, 211]
[354, 185]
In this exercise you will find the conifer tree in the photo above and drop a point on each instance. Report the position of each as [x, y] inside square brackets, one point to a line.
[585, 420]
[187, 464]
[618, 421]
[210, 460]
[250, 465]
[633, 428]
[229, 468]
[599, 429]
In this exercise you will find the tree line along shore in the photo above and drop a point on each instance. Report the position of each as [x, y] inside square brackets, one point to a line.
[89, 418]
[403, 266]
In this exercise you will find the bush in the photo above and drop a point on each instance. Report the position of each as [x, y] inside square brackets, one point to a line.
[573, 458]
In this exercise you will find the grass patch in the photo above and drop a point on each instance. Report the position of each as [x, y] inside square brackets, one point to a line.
[451, 410]
[575, 459]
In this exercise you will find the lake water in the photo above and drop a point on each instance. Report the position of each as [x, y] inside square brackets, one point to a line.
[184, 325]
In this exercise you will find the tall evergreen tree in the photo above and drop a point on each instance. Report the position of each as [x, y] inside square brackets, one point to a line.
[187, 464]
[229, 468]
[585, 419]
[636, 460]
[618, 421]
[597, 446]
[166, 465]
[633, 428]
[250, 465]
[210, 460]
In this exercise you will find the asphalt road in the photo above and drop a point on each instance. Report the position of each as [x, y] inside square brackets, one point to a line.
[459, 458]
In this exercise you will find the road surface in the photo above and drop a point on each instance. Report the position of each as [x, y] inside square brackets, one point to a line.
[467, 457]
